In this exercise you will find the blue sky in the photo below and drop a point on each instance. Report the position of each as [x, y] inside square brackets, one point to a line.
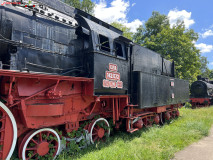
[197, 15]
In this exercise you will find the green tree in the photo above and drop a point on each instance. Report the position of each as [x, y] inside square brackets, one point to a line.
[126, 31]
[205, 71]
[211, 75]
[85, 5]
[139, 36]
[153, 26]
[174, 43]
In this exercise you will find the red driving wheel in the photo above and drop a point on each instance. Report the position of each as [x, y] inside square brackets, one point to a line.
[41, 143]
[99, 130]
[8, 132]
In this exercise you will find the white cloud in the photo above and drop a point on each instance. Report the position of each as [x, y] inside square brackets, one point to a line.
[211, 63]
[194, 41]
[204, 48]
[175, 15]
[116, 12]
[134, 25]
[133, 4]
[207, 33]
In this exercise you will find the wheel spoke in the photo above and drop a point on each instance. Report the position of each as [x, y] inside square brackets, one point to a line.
[50, 141]
[32, 156]
[96, 133]
[40, 136]
[34, 141]
[29, 149]
[95, 129]
[2, 118]
[54, 147]
[48, 134]
[96, 137]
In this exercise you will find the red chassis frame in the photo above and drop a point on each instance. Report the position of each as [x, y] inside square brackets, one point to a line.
[40, 100]
[200, 102]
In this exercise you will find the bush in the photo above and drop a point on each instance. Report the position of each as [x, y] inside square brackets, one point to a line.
[188, 105]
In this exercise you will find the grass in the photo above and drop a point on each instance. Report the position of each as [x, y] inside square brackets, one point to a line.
[155, 143]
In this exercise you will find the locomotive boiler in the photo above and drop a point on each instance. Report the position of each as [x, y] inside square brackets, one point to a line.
[201, 92]
[65, 72]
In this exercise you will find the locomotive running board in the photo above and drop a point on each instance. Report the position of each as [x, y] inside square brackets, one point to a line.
[12, 73]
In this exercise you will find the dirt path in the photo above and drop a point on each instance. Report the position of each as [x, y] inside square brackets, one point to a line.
[202, 150]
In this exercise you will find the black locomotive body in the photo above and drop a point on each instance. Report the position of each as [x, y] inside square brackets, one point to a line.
[40, 43]
[61, 68]
[67, 41]
[201, 92]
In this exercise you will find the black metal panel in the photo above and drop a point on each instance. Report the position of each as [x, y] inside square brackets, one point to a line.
[101, 65]
[167, 67]
[151, 90]
[6, 32]
[55, 47]
[98, 21]
[146, 60]
[59, 6]
[181, 91]
[99, 59]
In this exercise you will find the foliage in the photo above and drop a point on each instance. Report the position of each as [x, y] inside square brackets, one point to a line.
[153, 26]
[126, 31]
[73, 147]
[188, 105]
[211, 74]
[174, 43]
[85, 5]
[155, 143]
[205, 72]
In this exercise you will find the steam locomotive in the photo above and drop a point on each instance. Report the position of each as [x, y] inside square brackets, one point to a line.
[65, 72]
[201, 92]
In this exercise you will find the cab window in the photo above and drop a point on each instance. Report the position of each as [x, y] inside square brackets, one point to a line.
[119, 49]
[104, 43]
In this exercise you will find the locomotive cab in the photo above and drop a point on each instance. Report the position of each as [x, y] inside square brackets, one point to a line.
[108, 60]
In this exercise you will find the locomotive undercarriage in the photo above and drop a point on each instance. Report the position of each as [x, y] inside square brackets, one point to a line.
[200, 102]
[34, 105]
